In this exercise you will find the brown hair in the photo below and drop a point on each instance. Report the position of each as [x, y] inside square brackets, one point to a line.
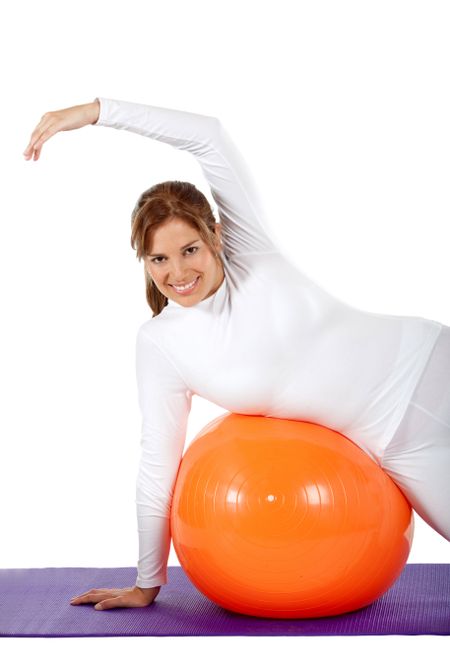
[153, 209]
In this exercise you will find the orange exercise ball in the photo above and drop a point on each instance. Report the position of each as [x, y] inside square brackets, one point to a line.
[286, 519]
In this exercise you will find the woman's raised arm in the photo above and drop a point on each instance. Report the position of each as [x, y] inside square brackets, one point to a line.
[244, 229]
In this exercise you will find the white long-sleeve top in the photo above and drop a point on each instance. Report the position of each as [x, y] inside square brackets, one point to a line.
[268, 342]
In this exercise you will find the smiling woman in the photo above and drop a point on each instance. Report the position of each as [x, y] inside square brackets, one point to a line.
[269, 342]
[186, 273]
[174, 231]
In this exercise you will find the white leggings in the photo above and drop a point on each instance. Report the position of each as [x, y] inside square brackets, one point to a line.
[418, 456]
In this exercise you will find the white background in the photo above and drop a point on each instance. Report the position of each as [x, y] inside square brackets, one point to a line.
[341, 110]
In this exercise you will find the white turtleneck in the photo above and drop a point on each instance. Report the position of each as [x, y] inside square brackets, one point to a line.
[268, 342]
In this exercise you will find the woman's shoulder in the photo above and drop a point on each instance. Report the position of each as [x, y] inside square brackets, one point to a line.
[150, 330]
[157, 328]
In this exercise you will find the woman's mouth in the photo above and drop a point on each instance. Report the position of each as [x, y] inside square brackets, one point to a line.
[188, 288]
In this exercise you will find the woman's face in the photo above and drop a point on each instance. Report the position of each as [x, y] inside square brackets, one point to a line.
[179, 257]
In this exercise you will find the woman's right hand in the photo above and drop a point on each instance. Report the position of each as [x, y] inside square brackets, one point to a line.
[109, 598]
[52, 122]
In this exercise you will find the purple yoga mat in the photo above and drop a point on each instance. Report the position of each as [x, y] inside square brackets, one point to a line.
[36, 603]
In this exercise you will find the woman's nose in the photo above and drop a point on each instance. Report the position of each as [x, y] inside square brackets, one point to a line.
[180, 274]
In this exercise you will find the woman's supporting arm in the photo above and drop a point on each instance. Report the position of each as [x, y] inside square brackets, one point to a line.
[165, 403]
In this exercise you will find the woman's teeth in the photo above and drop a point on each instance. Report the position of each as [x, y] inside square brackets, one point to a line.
[185, 288]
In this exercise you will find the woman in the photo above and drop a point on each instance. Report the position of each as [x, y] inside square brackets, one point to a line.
[236, 323]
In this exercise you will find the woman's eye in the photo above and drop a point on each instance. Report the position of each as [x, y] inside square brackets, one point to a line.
[195, 248]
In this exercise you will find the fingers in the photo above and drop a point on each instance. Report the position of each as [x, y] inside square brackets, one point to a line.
[110, 603]
[45, 129]
[40, 134]
[94, 595]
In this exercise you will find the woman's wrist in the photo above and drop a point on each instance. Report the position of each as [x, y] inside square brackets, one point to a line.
[93, 111]
[149, 591]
